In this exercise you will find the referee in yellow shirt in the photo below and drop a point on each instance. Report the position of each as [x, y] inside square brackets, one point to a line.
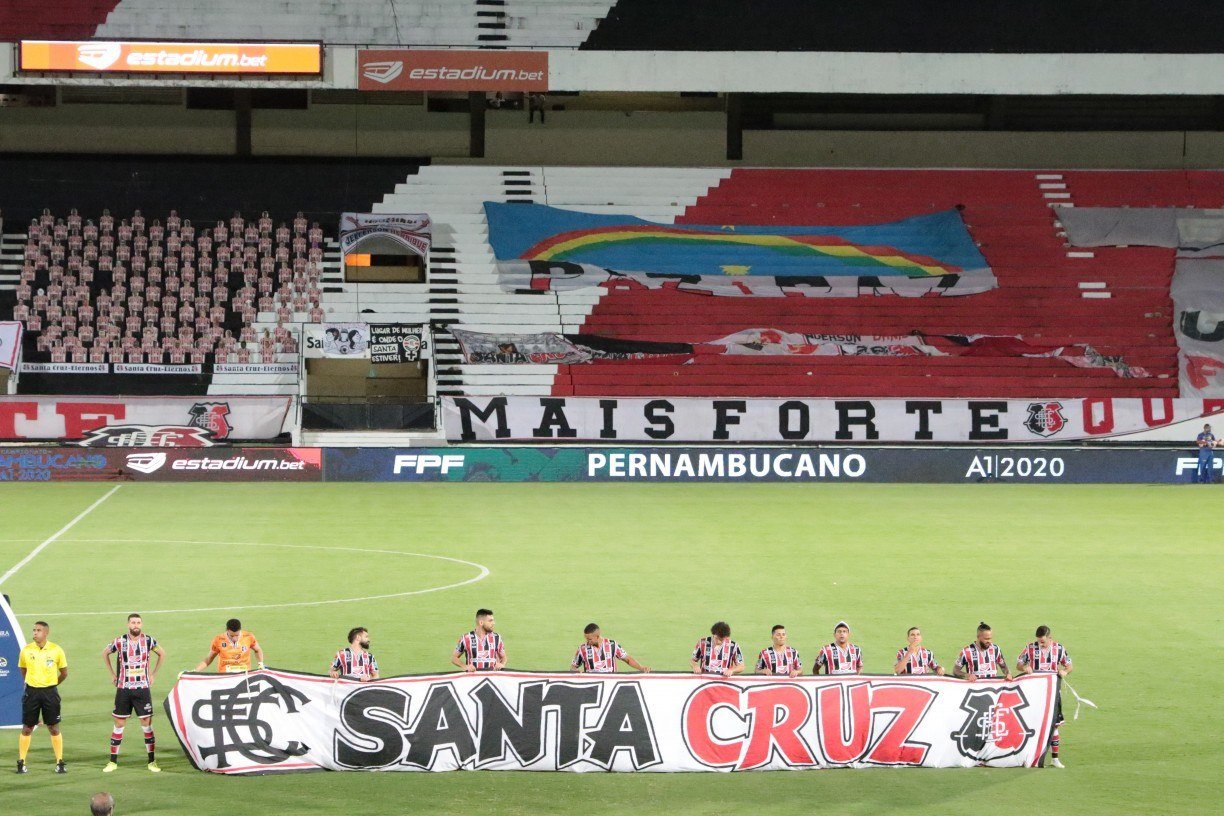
[43, 666]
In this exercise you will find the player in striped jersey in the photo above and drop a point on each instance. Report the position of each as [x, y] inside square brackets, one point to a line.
[133, 680]
[841, 656]
[982, 659]
[355, 662]
[914, 659]
[779, 659]
[598, 654]
[481, 649]
[718, 653]
[1047, 656]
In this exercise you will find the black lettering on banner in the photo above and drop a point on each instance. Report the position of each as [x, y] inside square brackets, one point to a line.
[855, 412]
[1189, 327]
[554, 415]
[467, 408]
[608, 407]
[656, 412]
[924, 409]
[569, 700]
[233, 716]
[724, 418]
[441, 724]
[985, 419]
[376, 717]
[625, 726]
[502, 727]
[785, 410]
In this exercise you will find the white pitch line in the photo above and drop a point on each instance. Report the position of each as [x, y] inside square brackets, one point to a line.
[34, 552]
[484, 573]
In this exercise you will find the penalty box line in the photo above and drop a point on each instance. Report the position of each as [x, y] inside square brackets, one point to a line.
[56, 535]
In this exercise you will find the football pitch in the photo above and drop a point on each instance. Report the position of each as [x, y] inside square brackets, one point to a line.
[1129, 577]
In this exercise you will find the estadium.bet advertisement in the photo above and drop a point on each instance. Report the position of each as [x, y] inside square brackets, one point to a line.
[604, 464]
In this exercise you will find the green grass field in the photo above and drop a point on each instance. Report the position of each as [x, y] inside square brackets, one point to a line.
[1129, 578]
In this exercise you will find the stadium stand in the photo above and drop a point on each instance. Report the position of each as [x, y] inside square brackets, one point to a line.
[63, 19]
[1115, 299]
[499, 23]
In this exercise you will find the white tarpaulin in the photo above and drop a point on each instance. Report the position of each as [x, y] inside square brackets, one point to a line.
[27, 416]
[274, 721]
[711, 419]
[1198, 305]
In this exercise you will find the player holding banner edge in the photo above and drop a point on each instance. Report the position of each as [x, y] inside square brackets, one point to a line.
[598, 654]
[1047, 656]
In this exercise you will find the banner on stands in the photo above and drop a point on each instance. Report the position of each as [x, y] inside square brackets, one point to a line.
[156, 421]
[700, 419]
[12, 685]
[347, 340]
[274, 721]
[10, 343]
[377, 232]
[397, 342]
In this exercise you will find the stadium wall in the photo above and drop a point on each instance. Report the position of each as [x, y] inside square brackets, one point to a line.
[608, 138]
[961, 465]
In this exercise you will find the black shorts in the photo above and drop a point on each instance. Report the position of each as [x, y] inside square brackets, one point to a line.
[129, 701]
[40, 703]
[1058, 715]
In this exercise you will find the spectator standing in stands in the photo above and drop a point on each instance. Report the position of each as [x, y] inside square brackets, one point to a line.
[717, 653]
[355, 662]
[841, 656]
[535, 102]
[1206, 442]
[101, 804]
[481, 649]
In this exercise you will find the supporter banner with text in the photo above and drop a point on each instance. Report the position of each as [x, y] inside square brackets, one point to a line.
[106, 421]
[274, 721]
[701, 419]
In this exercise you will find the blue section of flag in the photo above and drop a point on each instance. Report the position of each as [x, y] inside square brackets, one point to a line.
[924, 245]
[11, 685]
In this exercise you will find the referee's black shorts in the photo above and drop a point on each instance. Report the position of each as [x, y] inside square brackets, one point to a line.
[41, 703]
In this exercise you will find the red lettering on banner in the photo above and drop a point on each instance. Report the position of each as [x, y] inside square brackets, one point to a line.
[698, 732]
[770, 732]
[1149, 415]
[1200, 369]
[831, 702]
[1213, 406]
[9, 411]
[80, 417]
[1106, 423]
[911, 703]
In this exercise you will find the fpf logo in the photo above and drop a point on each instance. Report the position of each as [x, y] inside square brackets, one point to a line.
[424, 463]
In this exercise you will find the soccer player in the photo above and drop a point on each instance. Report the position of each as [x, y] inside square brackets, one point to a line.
[234, 648]
[914, 659]
[982, 659]
[481, 649]
[598, 654]
[718, 653]
[133, 681]
[1047, 656]
[841, 656]
[355, 662]
[1206, 442]
[779, 659]
[44, 667]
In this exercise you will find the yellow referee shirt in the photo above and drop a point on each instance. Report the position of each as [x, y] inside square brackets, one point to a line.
[42, 665]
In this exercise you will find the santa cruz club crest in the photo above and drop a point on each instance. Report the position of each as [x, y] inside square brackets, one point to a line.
[232, 716]
[212, 417]
[1045, 418]
[994, 727]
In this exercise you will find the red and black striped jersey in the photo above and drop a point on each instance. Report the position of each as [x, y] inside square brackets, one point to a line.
[134, 652]
[359, 665]
[779, 662]
[981, 663]
[481, 651]
[922, 662]
[836, 660]
[1044, 661]
[716, 659]
[599, 659]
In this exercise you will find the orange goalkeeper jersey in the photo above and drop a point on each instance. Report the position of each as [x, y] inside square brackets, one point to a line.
[234, 656]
